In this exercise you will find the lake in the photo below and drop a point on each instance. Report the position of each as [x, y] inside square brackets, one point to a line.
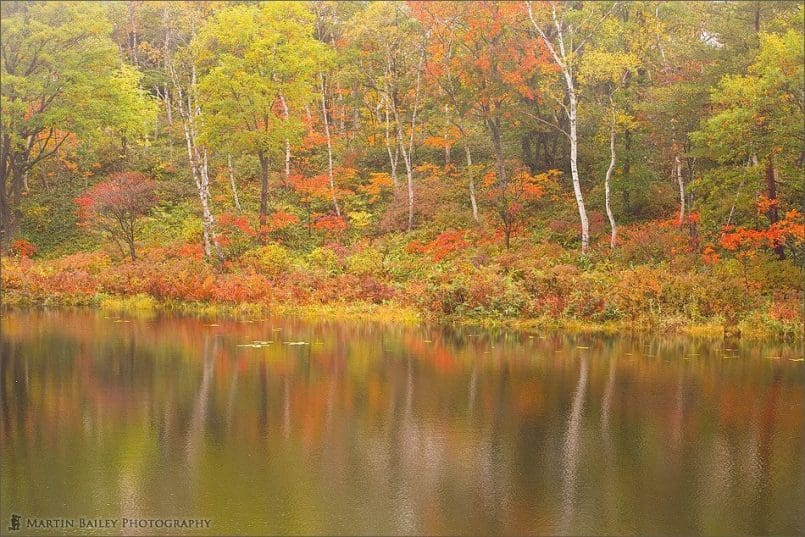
[283, 426]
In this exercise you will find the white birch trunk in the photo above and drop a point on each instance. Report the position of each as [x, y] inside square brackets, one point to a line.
[612, 225]
[407, 153]
[409, 171]
[189, 112]
[329, 145]
[393, 158]
[473, 201]
[232, 182]
[562, 61]
[574, 169]
[446, 134]
[286, 113]
[681, 183]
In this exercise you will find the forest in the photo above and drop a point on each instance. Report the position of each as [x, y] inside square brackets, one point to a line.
[560, 164]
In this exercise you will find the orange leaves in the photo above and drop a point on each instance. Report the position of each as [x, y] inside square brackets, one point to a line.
[489, 179]
[23, 248]
[280, 220]
[443, 245]
[311, 188]
[709, 255]
[764, 204]
[792, 225]
[437, 142]
[499, 57]
[314, 138]
[236, 221]
[330, 223]
[789, 230]
[379, 183]
[484, 64]
[533, 187]
[522, 187]
[344, 175]
[732, 240]
[191, 251]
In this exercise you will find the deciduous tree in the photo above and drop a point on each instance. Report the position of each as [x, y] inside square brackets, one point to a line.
[114, 206]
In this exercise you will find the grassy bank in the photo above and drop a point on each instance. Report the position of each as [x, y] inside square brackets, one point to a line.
[530, 287]
[145, 306]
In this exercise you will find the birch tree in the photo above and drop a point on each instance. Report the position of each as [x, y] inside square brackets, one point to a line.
[605, 70]
[565, 37]
[183, 74]
[394, 70]
[256, 61]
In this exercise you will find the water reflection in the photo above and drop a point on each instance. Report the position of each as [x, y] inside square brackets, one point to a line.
[370, 429]
[571, 451]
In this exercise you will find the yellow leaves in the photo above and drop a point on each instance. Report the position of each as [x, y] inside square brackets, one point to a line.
[625, 121]
[605, 66]
[360, 219]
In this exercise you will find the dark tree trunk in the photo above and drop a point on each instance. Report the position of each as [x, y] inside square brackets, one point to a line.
[10, 199]
[771, 194]
[494, 127]
[130, 240]
[530, 148]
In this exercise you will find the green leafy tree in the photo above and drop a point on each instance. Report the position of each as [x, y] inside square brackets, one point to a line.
[61, 76]
[254, 59]
[758, 124]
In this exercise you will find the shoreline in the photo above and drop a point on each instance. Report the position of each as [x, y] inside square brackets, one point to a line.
[144, 306]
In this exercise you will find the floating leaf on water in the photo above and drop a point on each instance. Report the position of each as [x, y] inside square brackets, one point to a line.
[582, 347]
[251, 345]
[427, 341]
[258, 342]
[121, 321]
[213, 324]
[296, 342]
[797, 359]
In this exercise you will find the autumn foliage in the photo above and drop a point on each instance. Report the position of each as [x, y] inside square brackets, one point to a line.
[555, 161]
[115, 205]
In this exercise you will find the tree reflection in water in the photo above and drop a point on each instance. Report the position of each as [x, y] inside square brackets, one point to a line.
[386, 429]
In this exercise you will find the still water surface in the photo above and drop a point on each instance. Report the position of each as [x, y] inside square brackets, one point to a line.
[355, 428]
